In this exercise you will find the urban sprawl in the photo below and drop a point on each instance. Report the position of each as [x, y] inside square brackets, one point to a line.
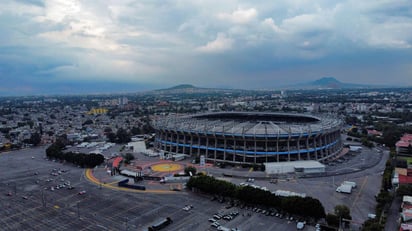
[103, 162]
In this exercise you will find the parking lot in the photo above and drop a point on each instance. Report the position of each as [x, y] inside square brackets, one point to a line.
[29, 203]
[364, 168]
[40, 194]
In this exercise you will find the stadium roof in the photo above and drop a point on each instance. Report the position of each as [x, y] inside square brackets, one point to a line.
[238, 123]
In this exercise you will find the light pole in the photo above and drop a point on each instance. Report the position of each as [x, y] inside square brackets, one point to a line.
[78, 210]
[126, 223]
[43, 198]
[14, 187]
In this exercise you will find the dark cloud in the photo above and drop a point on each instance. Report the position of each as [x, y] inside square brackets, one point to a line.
[79, 46]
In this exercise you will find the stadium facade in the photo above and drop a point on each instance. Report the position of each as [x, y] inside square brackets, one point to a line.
[250, 137]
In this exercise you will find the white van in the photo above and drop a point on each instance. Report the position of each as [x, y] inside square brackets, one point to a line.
[351, 183]
[223, 228]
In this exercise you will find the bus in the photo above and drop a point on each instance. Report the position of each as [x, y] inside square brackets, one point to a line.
[160, 224]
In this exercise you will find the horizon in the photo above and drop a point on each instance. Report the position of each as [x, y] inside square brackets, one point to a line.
[80, 47]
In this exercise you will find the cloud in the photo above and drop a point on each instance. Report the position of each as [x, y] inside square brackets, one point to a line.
[307, 23]
[271, 24]
[239, 16]
[163, 42]
[32, 2]
[220, 44]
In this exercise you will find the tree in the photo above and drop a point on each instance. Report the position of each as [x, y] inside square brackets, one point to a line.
[317, 211]
[372, 225]
[30, 123]
[112, 137]
[108, 130]
[87, 122]
[35, 139]
[391, 135]
[191, 169]
[343, 212]
[403, 190]
[136, 131]
[401, 163]
[304, 207]
[354, 130]
[332, 220]
[123, 136]
[128, 157]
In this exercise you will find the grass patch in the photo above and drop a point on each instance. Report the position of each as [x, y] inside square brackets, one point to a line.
[408, 159]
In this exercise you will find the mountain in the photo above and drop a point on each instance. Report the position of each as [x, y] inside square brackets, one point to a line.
[181, 86]
[328, 83]
[190, 89]
[184, 88]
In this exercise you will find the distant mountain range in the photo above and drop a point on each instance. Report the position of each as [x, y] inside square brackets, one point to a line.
[328, 83]
[188, 88]
[322, 83]
[180, 87]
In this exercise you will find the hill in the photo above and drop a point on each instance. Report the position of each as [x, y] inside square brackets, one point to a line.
[181, 86]
[328, 83]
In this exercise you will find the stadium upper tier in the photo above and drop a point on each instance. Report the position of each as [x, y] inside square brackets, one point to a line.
[250, 124]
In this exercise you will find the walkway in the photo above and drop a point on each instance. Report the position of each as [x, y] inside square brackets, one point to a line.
[89, 174]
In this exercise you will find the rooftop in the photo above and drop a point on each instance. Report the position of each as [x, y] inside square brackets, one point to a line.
[405, 141]
[251, 124]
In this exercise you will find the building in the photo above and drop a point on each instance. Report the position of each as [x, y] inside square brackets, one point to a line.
[250, 137]
[302, 167]
[97, 111]
[404, 145]
[406, 214]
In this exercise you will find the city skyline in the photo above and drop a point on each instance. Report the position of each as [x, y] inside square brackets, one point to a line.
[70, 47]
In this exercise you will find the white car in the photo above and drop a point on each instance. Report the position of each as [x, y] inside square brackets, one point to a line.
[212, 220]
[82, 192]
[300, 225]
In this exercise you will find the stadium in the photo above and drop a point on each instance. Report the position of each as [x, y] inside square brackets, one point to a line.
[250, 137]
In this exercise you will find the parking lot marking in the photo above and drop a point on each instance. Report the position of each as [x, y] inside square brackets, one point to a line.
[359, 193]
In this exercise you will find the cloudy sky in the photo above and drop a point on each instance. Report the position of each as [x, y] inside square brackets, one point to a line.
[77, 46]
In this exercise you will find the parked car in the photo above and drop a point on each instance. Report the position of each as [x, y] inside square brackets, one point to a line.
[82, 192]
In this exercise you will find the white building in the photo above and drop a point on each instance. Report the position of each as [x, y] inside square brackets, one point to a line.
[309, 166]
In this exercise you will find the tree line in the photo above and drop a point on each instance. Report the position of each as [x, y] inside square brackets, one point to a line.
[55, 151]
[305, 207]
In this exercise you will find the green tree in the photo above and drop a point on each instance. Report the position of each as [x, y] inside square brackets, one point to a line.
[304, 207]
[123, 136]
[112, 137]
[391, 135]
[128, 157]
[332, 220]
[191, 169]
[372, 225]
[343, 212]
[30, 123]
[403, 190]
[401, 163]
[136, 131]
[87, 122]
[35, 139]
[108, 130]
